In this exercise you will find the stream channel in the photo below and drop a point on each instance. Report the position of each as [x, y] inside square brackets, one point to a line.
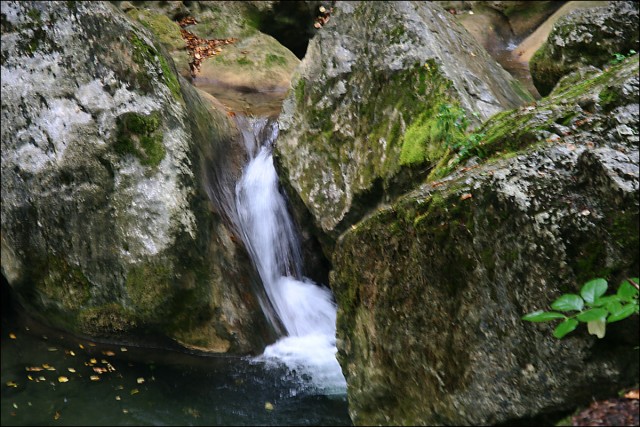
[52, 378]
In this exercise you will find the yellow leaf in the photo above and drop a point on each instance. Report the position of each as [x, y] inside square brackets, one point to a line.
[63, 379]
[94, 378]
[140, 380]
[56, 416]
[12, 336]
[268, 406]
[108, 353]
[117, 397]
[11, 384]
[71, 370]
[135, 391]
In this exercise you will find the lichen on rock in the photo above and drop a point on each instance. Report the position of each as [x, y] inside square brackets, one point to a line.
[368, 75]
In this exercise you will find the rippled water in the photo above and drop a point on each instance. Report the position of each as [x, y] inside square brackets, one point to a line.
[147, 386]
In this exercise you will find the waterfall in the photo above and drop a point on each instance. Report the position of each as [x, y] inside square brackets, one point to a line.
[306, 310]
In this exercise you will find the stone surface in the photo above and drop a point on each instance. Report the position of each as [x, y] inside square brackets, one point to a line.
[370, 74]
[585, 37]
[112, 221]
[431, 289]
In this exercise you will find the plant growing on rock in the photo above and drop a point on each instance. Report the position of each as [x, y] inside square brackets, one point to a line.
[591, 307]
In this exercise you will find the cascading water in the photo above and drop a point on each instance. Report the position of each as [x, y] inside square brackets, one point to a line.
[305, 309]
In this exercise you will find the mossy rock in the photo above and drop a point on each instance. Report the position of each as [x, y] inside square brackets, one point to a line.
[141, 136]
[585, 37]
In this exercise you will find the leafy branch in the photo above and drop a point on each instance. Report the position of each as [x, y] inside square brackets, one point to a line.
[592, 307]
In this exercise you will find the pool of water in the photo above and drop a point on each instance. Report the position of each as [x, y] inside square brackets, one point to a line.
[50, 378]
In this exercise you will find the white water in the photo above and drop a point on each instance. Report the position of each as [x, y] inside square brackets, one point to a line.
[305, 309]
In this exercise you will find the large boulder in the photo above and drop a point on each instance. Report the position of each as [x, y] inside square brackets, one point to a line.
[356, 126]
[590, 36]
[431, 289]
[115, 178]
[249, 74]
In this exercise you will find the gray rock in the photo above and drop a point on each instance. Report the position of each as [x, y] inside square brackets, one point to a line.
[585, 37]
[370, 74]
[432, 288]
[107, 228]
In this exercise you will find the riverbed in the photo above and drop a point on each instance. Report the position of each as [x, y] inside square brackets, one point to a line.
[51, 378]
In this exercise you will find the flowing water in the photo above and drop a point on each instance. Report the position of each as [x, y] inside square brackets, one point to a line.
[49, 377]
[305, 310]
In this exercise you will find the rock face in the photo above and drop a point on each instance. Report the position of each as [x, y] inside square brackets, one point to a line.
[431, 290]
[585, 37]
[112, 221]
[370, 86]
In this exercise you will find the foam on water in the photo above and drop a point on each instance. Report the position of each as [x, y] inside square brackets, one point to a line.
[305, 309]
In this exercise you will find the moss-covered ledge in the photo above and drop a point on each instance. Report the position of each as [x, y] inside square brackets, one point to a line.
[583, 102]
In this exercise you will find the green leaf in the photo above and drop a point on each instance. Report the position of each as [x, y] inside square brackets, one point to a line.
[568, 302]
[603, 301]
[565, 327]
[627, 291]
[543, 316]
[623, 313]
[613, 306]
[593, 289]
[593, 314]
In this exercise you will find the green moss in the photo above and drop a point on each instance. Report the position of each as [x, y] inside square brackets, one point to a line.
[427, 136]
[244, 61]
[105, 320]
[272, 59]
[64, 286]
[145, 56]
[149, 287]
[140, 136]
[34, 14]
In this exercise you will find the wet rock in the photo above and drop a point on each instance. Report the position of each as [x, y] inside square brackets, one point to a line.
[370, 74]
[110, 224]
[431, 289]
[585, 37]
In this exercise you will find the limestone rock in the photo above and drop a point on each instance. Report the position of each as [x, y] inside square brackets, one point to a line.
[431, 289]
[111, 223]
[585, 37]
[373, 71]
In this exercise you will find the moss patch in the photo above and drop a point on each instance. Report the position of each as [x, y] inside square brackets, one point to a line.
[149, 286]
[140, 136]
[64, 285]
[145, 56]
[106, 319]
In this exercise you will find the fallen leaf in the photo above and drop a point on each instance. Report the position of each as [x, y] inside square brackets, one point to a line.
[268, 406]
[108, 353]
[117, 397]
[63, 379]
[633, 394]
[93, 361]
[123, 349]
[71, 370]
[12, 336]
[33, 369]
[585, 212]
[135, 391]
[56, 416]
[466, 196]
[41, 378]
[94, 378]
[140, 380]
[52, 349]
[11, 384]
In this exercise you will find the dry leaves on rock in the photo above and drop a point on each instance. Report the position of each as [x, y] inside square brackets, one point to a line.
[199, 48]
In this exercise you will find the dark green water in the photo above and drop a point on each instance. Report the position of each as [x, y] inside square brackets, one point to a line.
[138, 386]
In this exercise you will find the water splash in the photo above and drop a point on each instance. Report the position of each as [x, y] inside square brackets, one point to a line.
[305, 310]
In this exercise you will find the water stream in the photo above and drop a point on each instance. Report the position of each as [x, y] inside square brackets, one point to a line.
[49, 377]
[305, 309]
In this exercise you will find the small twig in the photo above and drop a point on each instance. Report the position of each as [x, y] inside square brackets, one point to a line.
[634, 284]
